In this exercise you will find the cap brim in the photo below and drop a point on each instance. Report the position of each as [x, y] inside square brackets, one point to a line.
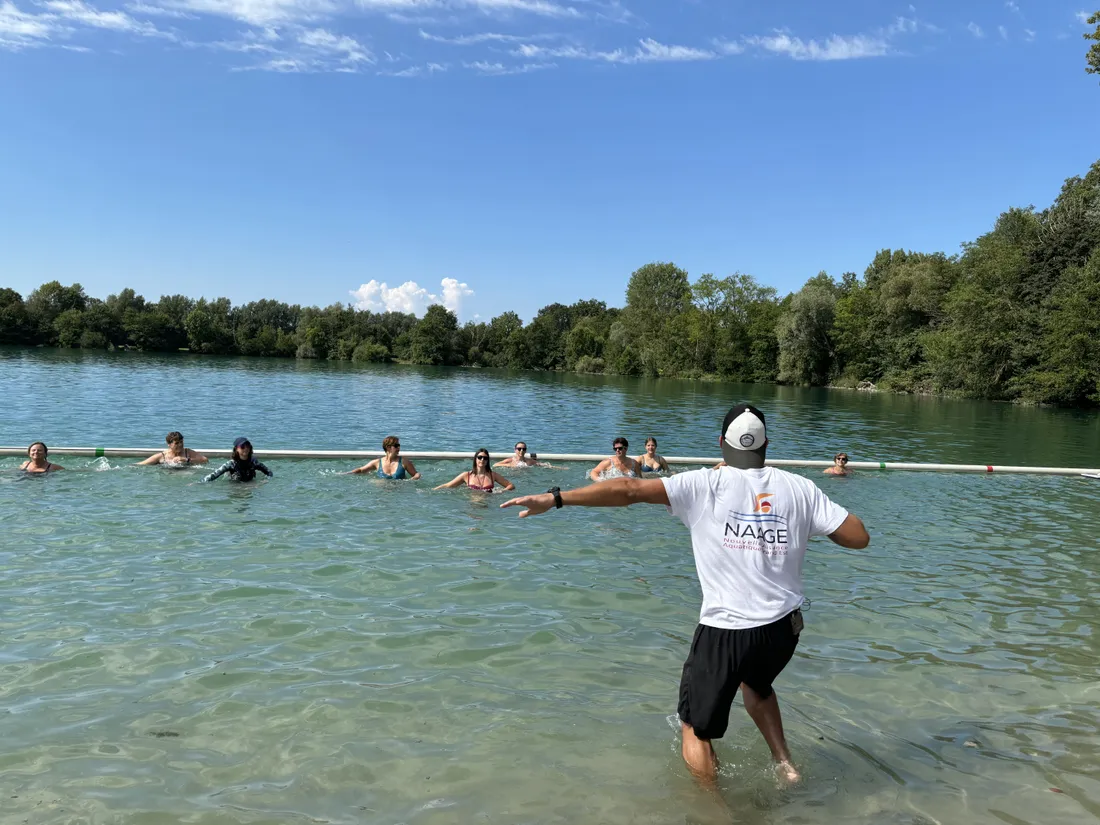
[744, 459]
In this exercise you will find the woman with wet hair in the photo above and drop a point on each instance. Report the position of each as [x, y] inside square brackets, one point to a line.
[480, 477]
[176, 455]
[37, 461]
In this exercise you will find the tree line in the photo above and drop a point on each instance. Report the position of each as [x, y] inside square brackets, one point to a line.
[1014, 316]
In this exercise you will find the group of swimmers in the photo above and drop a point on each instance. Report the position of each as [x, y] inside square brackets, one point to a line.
[482, 476]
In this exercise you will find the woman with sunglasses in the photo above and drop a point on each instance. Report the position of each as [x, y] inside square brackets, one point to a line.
[840, 466]
[520, 458]
[391, 465]
[620, 465]
[480, 478]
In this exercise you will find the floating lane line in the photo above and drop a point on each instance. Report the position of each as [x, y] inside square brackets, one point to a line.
[464, 455]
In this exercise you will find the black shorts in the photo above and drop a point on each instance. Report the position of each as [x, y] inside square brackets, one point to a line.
[720, 660]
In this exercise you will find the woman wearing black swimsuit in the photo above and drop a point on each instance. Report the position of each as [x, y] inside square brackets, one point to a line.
[176, 455]
[37, 462]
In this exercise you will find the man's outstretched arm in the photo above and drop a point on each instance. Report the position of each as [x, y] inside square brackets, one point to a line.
[618, 492]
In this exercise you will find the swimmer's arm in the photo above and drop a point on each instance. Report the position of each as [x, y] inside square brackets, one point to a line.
[503, 482]
[454, 482]
[369, 467]
[410, 468]
[218, 473]
[506, 463]
[153, 459]
[851, 534]
[599, 468]
[618, 492]
[197, 458]
[259, 465]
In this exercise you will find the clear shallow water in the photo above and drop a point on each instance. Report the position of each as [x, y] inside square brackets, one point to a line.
[325, 648]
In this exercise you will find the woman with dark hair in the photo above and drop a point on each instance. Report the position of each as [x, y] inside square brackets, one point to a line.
[649, 461]
[391, 465]
[619, 465]
[243, 466]
[176, 455]
[520, 458]
[37, 461]
[481, 477]
[840, 466]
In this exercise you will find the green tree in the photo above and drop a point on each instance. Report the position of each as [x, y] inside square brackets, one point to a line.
[432, 339]
[68, 327]
[804, 331]
[1093, 57]
[15, 324]
[47, 302]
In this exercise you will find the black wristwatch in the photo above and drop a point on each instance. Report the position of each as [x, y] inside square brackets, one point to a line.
[556, 493]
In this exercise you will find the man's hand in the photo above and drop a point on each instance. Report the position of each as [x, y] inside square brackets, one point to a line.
[534, 504]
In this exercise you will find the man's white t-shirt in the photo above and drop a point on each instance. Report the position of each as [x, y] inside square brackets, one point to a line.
[749, 530]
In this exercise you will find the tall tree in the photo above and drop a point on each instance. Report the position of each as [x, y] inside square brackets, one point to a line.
[1093, 57]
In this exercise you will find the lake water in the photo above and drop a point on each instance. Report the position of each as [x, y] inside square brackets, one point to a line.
[329, 648]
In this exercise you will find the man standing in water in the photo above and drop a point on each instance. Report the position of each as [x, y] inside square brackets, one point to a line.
[749, 527]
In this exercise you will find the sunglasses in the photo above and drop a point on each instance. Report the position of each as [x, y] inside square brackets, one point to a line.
[620, 448]
[482, 457]
[521, 449]
[842, 458]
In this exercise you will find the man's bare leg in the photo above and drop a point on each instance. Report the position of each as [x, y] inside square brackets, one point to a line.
[700, 757]
[765, 713]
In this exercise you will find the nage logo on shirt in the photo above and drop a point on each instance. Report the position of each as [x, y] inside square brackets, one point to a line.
[762, 530]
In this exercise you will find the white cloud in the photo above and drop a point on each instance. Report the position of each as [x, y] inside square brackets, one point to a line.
[120, 21]
[399, 9]
[157, 11]
[1083, 16]
[975, 30]
[902, 25]
[377, 296]
[257, 12]
[484, 37]
[1029, 35]
[648, 51]
[346, 49]
[1012, 6]
[1003, 32]
[727, 47]
[485, 67]
[19, 29]
[418, 71]
[836, 47]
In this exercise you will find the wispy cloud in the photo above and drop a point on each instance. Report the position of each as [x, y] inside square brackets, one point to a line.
[485, 37]
[836, 47]
[542, 8]
[345, 49]
[20, 30]
[647, 51]
[975, 30]
[487, 68]
[1083, 17]
[1029, 35]
[418, 71]
[1003, 32]
[157, 11]
[1013, 7]
[119, 21]
[257, 12]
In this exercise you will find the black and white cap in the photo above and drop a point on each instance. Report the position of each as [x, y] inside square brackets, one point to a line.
[744, 437]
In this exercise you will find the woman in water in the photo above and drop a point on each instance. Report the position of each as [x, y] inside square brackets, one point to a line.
[481, 477]
[622, 464]
[519, 458]
[37, 463]
[651, 462]
[243, 466]
[840, 465]
[176, 455]
[391, 465]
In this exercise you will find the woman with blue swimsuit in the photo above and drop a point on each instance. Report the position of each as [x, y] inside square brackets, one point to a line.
[650, 462]
[391, 465]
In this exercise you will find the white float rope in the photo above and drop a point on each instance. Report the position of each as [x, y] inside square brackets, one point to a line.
[465, 455]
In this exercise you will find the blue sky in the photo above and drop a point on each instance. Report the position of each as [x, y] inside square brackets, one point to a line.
[505, 154]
